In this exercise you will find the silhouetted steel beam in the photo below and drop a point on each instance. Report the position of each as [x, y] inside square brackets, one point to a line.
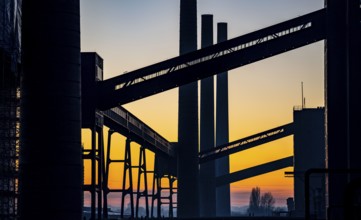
[246, 143]
[209, 61]
[122, 121]
[254, 171]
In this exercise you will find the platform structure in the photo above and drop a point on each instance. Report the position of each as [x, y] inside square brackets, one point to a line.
[121, 121]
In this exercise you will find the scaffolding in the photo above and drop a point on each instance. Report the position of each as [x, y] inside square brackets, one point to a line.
[164, 190]
[10, 50]
[9, 139]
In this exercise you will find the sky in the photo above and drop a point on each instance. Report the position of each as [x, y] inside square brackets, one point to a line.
[130, 34]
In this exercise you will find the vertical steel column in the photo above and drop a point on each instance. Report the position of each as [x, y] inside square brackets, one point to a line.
[95, 155]
[142, 170]
[155, 190]
[93, 172]
[171, 192]
[207, 186]
[160, 198]
[158, 195]
[158, 189]
[99, 159]
[170, 210]
[188, 172]
[127, 169]
[106, 175]
[51, 169]
[127, 173]
[342, 96]
[169, 197]
[223, 193]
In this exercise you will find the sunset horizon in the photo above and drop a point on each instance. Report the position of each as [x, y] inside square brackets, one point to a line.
[258, 100]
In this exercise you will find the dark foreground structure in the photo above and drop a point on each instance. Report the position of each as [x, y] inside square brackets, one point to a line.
[342, 88]
[10, 61]
[51, 169]
[50, 181]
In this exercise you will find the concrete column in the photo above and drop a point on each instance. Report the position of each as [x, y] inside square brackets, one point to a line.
[188, 171]
[207, 138]
[222, 131]
[342, 95]
[51, 169]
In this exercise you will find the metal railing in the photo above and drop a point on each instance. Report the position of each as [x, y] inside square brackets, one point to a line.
[246, 143]
[134, 125]
[237, 44]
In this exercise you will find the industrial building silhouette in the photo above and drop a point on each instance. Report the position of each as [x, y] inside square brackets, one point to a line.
[63, 89]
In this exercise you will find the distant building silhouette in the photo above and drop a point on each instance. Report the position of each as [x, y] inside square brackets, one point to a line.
[290, 204]
[309, 152]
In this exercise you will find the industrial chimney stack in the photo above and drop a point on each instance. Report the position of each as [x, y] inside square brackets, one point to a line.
[207, 138]
[223, 196]
[188, 171]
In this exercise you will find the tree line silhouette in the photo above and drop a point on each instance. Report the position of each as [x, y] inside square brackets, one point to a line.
[260, 205]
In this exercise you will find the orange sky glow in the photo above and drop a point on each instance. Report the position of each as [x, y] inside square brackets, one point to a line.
[261, 95]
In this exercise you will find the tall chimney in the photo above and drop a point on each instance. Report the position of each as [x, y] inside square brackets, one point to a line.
[188, 172]
[207, 170]
[223, 197]
[51, 170]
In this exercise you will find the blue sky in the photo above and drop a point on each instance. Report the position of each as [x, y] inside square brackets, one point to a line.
[130, 34]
